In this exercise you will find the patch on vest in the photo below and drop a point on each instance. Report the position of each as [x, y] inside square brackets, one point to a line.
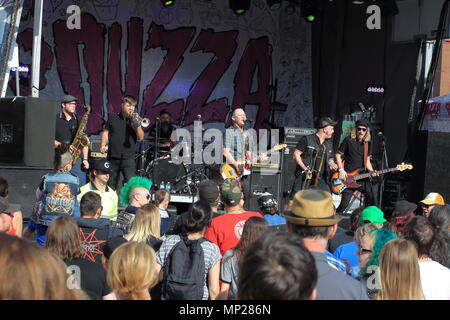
[61, 200]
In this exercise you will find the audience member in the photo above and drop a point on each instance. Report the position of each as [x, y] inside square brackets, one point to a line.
[440, 218]
[431, 200]
[6, 216]
[399, 272]
[62, 240]
[186, 261]
[94, 230]
[434, 276]
[313, 218]
[132, 271]
[56, 195]
[162, 200]
[15, 214]
[348, 235]
[402, 214]
[269, 208]
[369, 255]
[254, 227]
[146, 226]
[225, 230]
[99, 177]
[30, 272]
[134, 194]
[277, 267]
[110, 246]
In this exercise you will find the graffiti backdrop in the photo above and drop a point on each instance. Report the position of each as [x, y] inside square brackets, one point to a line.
[195, 57]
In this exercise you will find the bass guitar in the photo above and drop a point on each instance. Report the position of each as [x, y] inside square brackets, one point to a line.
[338, 186]
[228, 171]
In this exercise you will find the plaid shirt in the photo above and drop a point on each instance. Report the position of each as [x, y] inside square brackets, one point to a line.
[238, 142]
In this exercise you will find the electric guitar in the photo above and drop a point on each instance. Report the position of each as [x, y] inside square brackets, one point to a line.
[228, 171]
[338, 186]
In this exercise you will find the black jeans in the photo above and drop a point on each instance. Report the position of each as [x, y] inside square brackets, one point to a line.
[245, 182]
[365, 189]
[125, 166]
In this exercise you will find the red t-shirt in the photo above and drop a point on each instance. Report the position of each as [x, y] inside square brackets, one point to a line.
[226, 230]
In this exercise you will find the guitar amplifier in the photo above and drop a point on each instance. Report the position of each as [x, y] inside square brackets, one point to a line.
[94, 149]
[263, 181]
[292, 134]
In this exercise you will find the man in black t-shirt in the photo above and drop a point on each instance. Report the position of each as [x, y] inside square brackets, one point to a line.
[122, 138]
[163, 130]
[66, 128]
[352, 150]
[317, 146]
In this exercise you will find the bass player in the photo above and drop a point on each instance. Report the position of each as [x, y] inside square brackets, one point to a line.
[356, 151]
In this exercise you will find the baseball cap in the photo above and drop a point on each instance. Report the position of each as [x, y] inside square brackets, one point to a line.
[208, 190]
[433, 198]
[372, 214]
[326, 121]
[102, 165]
[363, 122]
[231, 191]
[403, 207]
[68, 98]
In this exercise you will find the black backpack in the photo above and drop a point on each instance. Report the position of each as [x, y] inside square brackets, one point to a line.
[184, 271]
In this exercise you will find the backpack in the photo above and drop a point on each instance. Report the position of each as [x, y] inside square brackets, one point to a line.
[184, 271]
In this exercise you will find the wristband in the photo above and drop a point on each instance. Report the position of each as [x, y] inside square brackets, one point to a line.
[85, 160]
[341, 169]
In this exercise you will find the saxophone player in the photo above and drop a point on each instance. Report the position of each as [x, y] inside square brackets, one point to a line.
[314, 150]
[67, 123]
[121, 134]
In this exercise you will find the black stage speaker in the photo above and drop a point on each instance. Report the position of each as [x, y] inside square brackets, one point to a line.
[23, 183]
[431, 171]
[262, 182]
[27, 131]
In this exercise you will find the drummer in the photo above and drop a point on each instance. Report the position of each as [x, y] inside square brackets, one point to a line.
[165, 130]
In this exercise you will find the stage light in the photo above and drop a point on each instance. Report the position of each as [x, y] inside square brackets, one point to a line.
[167, 3]
[376, 89]
[310, 10]
[274, 4]
[239, 7]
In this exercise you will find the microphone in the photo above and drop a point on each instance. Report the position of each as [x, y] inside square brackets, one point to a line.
[380, 134]
[199, 117]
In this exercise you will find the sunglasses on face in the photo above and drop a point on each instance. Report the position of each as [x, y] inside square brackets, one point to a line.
[148, 196]
[362, 129]
[362, 251]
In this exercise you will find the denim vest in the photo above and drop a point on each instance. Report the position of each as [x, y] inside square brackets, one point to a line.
[58, 197]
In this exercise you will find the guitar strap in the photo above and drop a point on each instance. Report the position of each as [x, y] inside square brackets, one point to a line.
[366, 153]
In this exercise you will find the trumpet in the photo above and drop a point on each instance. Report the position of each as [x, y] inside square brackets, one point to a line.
[138, 121]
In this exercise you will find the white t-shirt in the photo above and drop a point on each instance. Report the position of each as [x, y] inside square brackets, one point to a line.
[435, 280]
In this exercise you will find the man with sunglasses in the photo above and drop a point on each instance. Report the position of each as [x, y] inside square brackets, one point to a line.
[99, 178]
[356, 150]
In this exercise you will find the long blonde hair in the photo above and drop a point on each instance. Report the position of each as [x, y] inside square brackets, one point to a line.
[367, 137]
[146, 223]
[30, 272]
[132, 271]
[399, 272]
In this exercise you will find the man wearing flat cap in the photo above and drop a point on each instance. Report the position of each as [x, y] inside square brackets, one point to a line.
[314, 156]
[313, 218]
[356, 150]
[67, 124]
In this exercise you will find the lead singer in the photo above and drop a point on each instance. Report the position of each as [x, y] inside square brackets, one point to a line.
[121, 134]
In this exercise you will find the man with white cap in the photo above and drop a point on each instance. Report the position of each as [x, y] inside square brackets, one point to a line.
[431, 200]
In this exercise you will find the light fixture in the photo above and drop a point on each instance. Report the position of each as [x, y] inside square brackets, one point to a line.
[274, 4]
[375, 89]
[239, 7]
[167, 3]
[310, 10]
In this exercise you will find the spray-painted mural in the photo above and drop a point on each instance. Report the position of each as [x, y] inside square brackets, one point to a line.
[195, 57]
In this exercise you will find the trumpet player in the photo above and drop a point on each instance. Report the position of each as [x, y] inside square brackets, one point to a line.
[121, 133]
[314, 154]
[67, 124]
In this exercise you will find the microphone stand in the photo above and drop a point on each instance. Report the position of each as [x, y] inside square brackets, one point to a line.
[156, 150]
[384, 165]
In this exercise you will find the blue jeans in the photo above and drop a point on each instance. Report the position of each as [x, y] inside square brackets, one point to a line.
[76, 171]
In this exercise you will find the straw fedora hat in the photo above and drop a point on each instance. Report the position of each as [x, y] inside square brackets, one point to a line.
[312, 208]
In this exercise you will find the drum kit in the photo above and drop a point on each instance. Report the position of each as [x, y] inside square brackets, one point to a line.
[155, 162]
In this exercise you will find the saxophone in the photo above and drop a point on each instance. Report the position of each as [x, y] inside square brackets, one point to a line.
[81, 140]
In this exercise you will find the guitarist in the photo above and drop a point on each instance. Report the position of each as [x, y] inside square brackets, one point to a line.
[305, 152]
[356, 150]
[236, 149]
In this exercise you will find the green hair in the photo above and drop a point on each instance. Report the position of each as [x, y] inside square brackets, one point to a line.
[133, 183]
[382, 236]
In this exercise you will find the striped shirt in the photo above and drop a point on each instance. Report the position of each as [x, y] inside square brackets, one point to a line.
[210, 250]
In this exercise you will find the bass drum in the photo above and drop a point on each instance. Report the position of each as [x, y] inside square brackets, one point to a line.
[164, 170]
